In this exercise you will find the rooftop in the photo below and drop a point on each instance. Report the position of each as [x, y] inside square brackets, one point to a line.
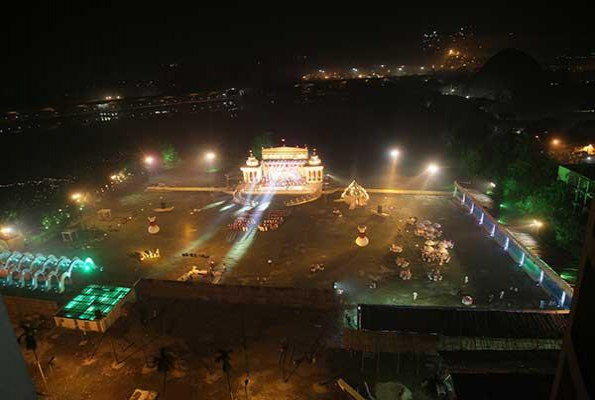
[586, 170]
[92, 298]
[285, 153]
[463, 322]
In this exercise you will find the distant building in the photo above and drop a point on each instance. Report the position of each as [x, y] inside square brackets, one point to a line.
[284, 168]
[575, 378]
[581, 179]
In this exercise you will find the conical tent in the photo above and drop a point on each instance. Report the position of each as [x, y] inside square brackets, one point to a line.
[355, 195]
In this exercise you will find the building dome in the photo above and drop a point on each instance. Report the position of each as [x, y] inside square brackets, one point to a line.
[252, 161]
[314, 159]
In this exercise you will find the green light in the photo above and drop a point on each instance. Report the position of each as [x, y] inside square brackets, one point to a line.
[89, 264]
[91, 298]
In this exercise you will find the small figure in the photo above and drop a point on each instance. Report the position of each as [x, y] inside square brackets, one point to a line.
[466, 279]
[501, 294]
[414, 296]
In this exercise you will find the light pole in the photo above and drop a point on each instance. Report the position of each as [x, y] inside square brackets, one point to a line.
[432, 169]
[80, 200]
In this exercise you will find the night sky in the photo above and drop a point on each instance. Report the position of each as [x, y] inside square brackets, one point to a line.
[50, 49]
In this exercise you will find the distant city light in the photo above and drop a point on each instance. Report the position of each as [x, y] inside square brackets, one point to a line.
[432, 168]
[149, 160]
[76, 196]
[394, 153]
[555, 142]
[210, 156]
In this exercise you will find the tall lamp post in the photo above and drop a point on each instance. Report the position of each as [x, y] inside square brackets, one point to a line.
[80, 200]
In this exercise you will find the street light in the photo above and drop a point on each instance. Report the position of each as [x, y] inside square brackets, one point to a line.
[537, 224]
[432, 169]
[76, 196]
[394, 153]
[555, 142]
[149, 160]
[210, 156]
[7, 230]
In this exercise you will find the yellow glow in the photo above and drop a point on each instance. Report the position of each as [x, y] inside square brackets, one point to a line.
[76, 196]
[537, 223]
[6, 230]
[555, 142]
[210, 156]
[432, 168]
[149, 160]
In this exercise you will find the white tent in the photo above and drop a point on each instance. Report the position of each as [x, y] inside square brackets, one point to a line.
[355, 195]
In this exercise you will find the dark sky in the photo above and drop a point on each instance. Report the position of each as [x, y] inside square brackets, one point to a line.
[50, 48]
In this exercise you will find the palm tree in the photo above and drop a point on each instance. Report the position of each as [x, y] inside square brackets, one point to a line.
[224, 358]
[28, 335]
[164, 362]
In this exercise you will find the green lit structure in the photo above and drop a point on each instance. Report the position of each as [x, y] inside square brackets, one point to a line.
[96, 308]
[581, 180]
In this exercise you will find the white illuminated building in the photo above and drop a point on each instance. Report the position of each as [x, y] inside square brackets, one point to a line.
[283, 170]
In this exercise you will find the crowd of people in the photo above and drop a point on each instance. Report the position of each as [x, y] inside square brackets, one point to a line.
[243, 222]
[247, 220]
[273, 221]
[437, 251]
[285, 182]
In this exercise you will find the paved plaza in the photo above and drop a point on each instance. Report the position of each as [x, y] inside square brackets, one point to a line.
[311, 234]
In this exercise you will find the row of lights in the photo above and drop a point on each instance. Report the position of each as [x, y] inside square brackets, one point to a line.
[151, 160]
[432, 168]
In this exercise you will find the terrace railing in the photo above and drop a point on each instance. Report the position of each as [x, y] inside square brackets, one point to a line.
[532, 265]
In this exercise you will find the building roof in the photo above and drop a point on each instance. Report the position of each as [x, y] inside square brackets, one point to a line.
[502, 386]
[586, 170]
[505, 362]
[285, 153]
[466, 322]
[92, 298]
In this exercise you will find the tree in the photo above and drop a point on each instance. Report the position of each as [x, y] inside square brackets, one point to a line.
[260, 141]
[29, 336]
[164, 362]
[224, 358]
[170, 156]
